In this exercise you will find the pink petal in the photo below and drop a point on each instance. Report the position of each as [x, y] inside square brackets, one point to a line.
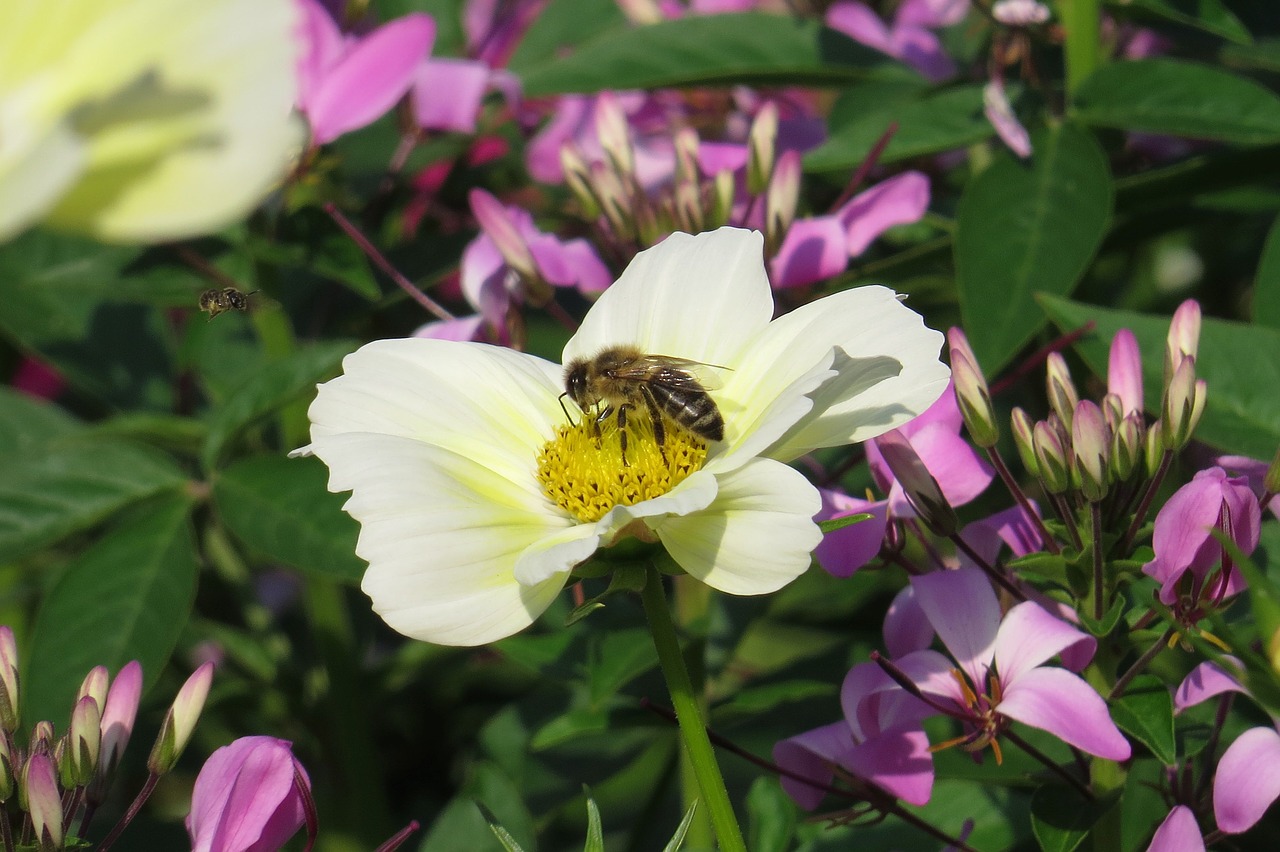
[1248, 780]
[898, 761]
[1124, 370]
[859, 23]
[447, 94]
[961, 473]
[921, 49]
[1178, 833]
[368, 81]
[37, 378]
[716, 157]
[906, 628]
[570, 264]
[847, 549]
[567, 124]
[1059, 702]
[932, 13]
[963, 609]
[1010, 527]
[899, 200]
[813, 250]
[462, 328]
[1003, 121]
[1029, 636]
[245, 798]
[933, 674]
[812, 755]
[321, 46]
[483, 277]
[873, 702]
[1202, 683]
[945, 411]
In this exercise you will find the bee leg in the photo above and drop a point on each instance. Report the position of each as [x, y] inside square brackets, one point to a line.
[601, 414]
[567, 415]
[622, 431]
[659, 430]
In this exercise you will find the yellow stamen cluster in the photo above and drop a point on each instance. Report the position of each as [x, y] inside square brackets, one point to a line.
[584, 474]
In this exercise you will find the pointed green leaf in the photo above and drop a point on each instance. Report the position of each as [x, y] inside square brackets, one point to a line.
[708, 50]
[274, 385]
[1240, 362]
[281, 507]
[1024, 228]
[1212, 16]
[126, 598]
[833, 524]
[772, 817]
[677, 839]
[595, 831]
[619, 657]
[1266, 286]
[28, 424]
[1061, 817]
[1145, 712]
[928, 122]
[71, 486]
[1181, 99]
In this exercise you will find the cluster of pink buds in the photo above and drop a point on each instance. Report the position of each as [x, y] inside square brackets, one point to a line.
[699, 197]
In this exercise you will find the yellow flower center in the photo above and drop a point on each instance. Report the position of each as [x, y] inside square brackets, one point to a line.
[583, 471]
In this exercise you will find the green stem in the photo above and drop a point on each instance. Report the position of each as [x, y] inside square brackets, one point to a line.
[692, 599]
[1081, 22]
[693, 729]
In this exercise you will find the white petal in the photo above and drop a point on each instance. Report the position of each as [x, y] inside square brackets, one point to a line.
[565, 550]
[489, 404]
[32, 184]
[755, 537]
[442, 534]
[886, 358]
[703, 297]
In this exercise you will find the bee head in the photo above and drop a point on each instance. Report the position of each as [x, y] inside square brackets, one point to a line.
[576, 385]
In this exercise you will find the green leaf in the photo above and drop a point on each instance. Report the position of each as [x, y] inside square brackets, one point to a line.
[268, 389]
[126, 598]
[562, 26]
[1266, 286]
[772, 817]
[833, 524]
[928, 122]
[1110, 619]
[1242, 413]
[1061, 817]
[569, 726]
[595, 831]
[487, 814]
[281, 507]
[70, 300]
[72, 486]
[28, 424]
[619, 657]
[1208, 15]
[1145, 712]
[1180, 99]
[707, 50]
[755, 700]
[1023, 228]
[677, 839]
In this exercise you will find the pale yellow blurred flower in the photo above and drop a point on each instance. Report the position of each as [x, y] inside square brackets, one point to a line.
[143, 120]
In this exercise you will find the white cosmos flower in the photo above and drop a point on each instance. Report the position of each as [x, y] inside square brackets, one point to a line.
[440, 441]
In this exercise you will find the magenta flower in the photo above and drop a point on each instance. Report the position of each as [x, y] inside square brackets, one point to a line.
[578, 120]
[960, 472]
[880, 739]
[1178, 833]
[907, 39]
[1124, 371]
[447, 93]
[818, 248]
[996, 106]
[1187, 554]
[510, 243]
[346, 82]
[250, 796]
[1248, 778]
[998, 674]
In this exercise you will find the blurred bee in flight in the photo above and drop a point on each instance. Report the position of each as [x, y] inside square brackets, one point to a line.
[619, 379]
[215, 301]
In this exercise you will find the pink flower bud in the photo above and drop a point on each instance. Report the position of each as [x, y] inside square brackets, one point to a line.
[1020, 13]
[972, 394]
[95, 685]
[1183, 404]
[615, 134]
[180, 721]
[83, 743]
[919, 485]
[1024, 439]
[1091, 450]
[43, 802]
[251, 794]
[781, 200]
[1051, 459]
[1184, 335]
[501, 228]
[761, 148]
[1124, 370]
[1063, 396]
[8, 680]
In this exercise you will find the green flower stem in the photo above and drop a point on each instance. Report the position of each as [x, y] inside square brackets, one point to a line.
[1105, 776]
[1082, 22]
[692, 600]
[693, 729]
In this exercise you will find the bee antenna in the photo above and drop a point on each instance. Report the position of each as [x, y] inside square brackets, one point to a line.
[567, 415]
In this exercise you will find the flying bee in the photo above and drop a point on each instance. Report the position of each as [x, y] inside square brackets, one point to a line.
[619, 379]
[215, 301]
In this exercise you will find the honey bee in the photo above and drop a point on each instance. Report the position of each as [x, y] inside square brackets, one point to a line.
[618, 379]
[215, 301]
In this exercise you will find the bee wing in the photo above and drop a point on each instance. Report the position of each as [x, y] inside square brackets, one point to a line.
[673, 372]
